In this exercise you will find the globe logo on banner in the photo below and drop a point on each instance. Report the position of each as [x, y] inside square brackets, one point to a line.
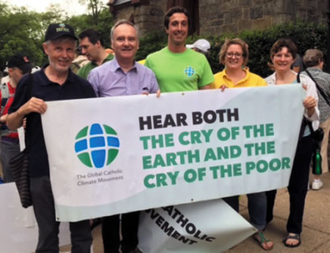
[97, 145]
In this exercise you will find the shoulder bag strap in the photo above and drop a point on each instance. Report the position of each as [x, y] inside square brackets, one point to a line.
[298, 77]
[318, 88]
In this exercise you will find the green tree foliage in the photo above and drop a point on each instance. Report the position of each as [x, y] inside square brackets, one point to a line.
[23, 30]
[105, 22]
[151, 43]
[305, 35]
[95, 7]
[19, 33]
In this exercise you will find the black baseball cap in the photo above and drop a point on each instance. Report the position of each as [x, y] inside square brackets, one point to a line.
[20, 61]
[55, 31]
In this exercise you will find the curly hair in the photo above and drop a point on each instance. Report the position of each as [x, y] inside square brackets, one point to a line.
[236, 41]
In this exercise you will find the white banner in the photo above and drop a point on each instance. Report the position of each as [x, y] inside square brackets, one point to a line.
[121, 154]
[210, 226]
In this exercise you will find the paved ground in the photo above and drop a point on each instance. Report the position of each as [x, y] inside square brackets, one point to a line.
[316, 226]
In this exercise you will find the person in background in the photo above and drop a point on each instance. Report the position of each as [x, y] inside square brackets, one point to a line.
[5, 77]
[314, 61]
[92, 46]
[109, 51]
[18, 65]
[55, 81]
[79, 61]
[201, 46]
[234, 54]
[298, 65]
[282, 55]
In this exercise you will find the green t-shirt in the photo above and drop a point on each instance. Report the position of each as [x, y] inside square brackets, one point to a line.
[185, 71]
[84, 70]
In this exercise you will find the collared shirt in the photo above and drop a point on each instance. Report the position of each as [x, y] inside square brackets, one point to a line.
[311, 91]
[74, 88]
[86, 69]
[110, 80]
[250, 80]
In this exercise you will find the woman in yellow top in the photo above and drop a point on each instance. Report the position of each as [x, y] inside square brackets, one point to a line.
[234, 55]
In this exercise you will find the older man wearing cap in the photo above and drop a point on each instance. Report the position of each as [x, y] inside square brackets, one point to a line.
[18, 65]
[53, 82]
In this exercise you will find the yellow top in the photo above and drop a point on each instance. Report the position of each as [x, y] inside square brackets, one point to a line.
[250, 80]
[142, 61]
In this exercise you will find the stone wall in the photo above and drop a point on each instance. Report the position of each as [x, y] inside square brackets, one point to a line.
[147, 17]
[223, 16]
[218, 17]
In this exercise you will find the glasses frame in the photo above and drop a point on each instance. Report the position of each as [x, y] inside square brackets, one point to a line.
[237, 55]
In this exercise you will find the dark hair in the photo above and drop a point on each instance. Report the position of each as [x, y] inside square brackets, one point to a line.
[93, 36]
[279, 44]
[171, 11]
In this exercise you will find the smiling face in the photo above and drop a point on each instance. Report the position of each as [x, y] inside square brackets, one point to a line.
[125, 42]
[234, 57]
[177, 29]
[282, 60]
[60, 53]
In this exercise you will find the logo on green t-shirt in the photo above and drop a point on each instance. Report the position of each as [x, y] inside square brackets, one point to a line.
[189, 71]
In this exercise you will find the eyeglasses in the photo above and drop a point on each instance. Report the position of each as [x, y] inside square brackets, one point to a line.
[231, 55]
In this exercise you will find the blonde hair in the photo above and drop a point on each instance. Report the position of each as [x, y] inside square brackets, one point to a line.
[236, 41]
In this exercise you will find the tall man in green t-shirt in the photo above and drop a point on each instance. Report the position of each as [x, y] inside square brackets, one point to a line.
[176, 67]
[92, 46]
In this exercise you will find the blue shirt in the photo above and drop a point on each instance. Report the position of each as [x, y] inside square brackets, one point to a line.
[110, 80]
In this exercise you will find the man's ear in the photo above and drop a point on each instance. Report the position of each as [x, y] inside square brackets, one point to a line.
[10, 72]
[44, 45]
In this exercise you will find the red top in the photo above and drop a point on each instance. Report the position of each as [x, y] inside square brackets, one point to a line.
[10, 100]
